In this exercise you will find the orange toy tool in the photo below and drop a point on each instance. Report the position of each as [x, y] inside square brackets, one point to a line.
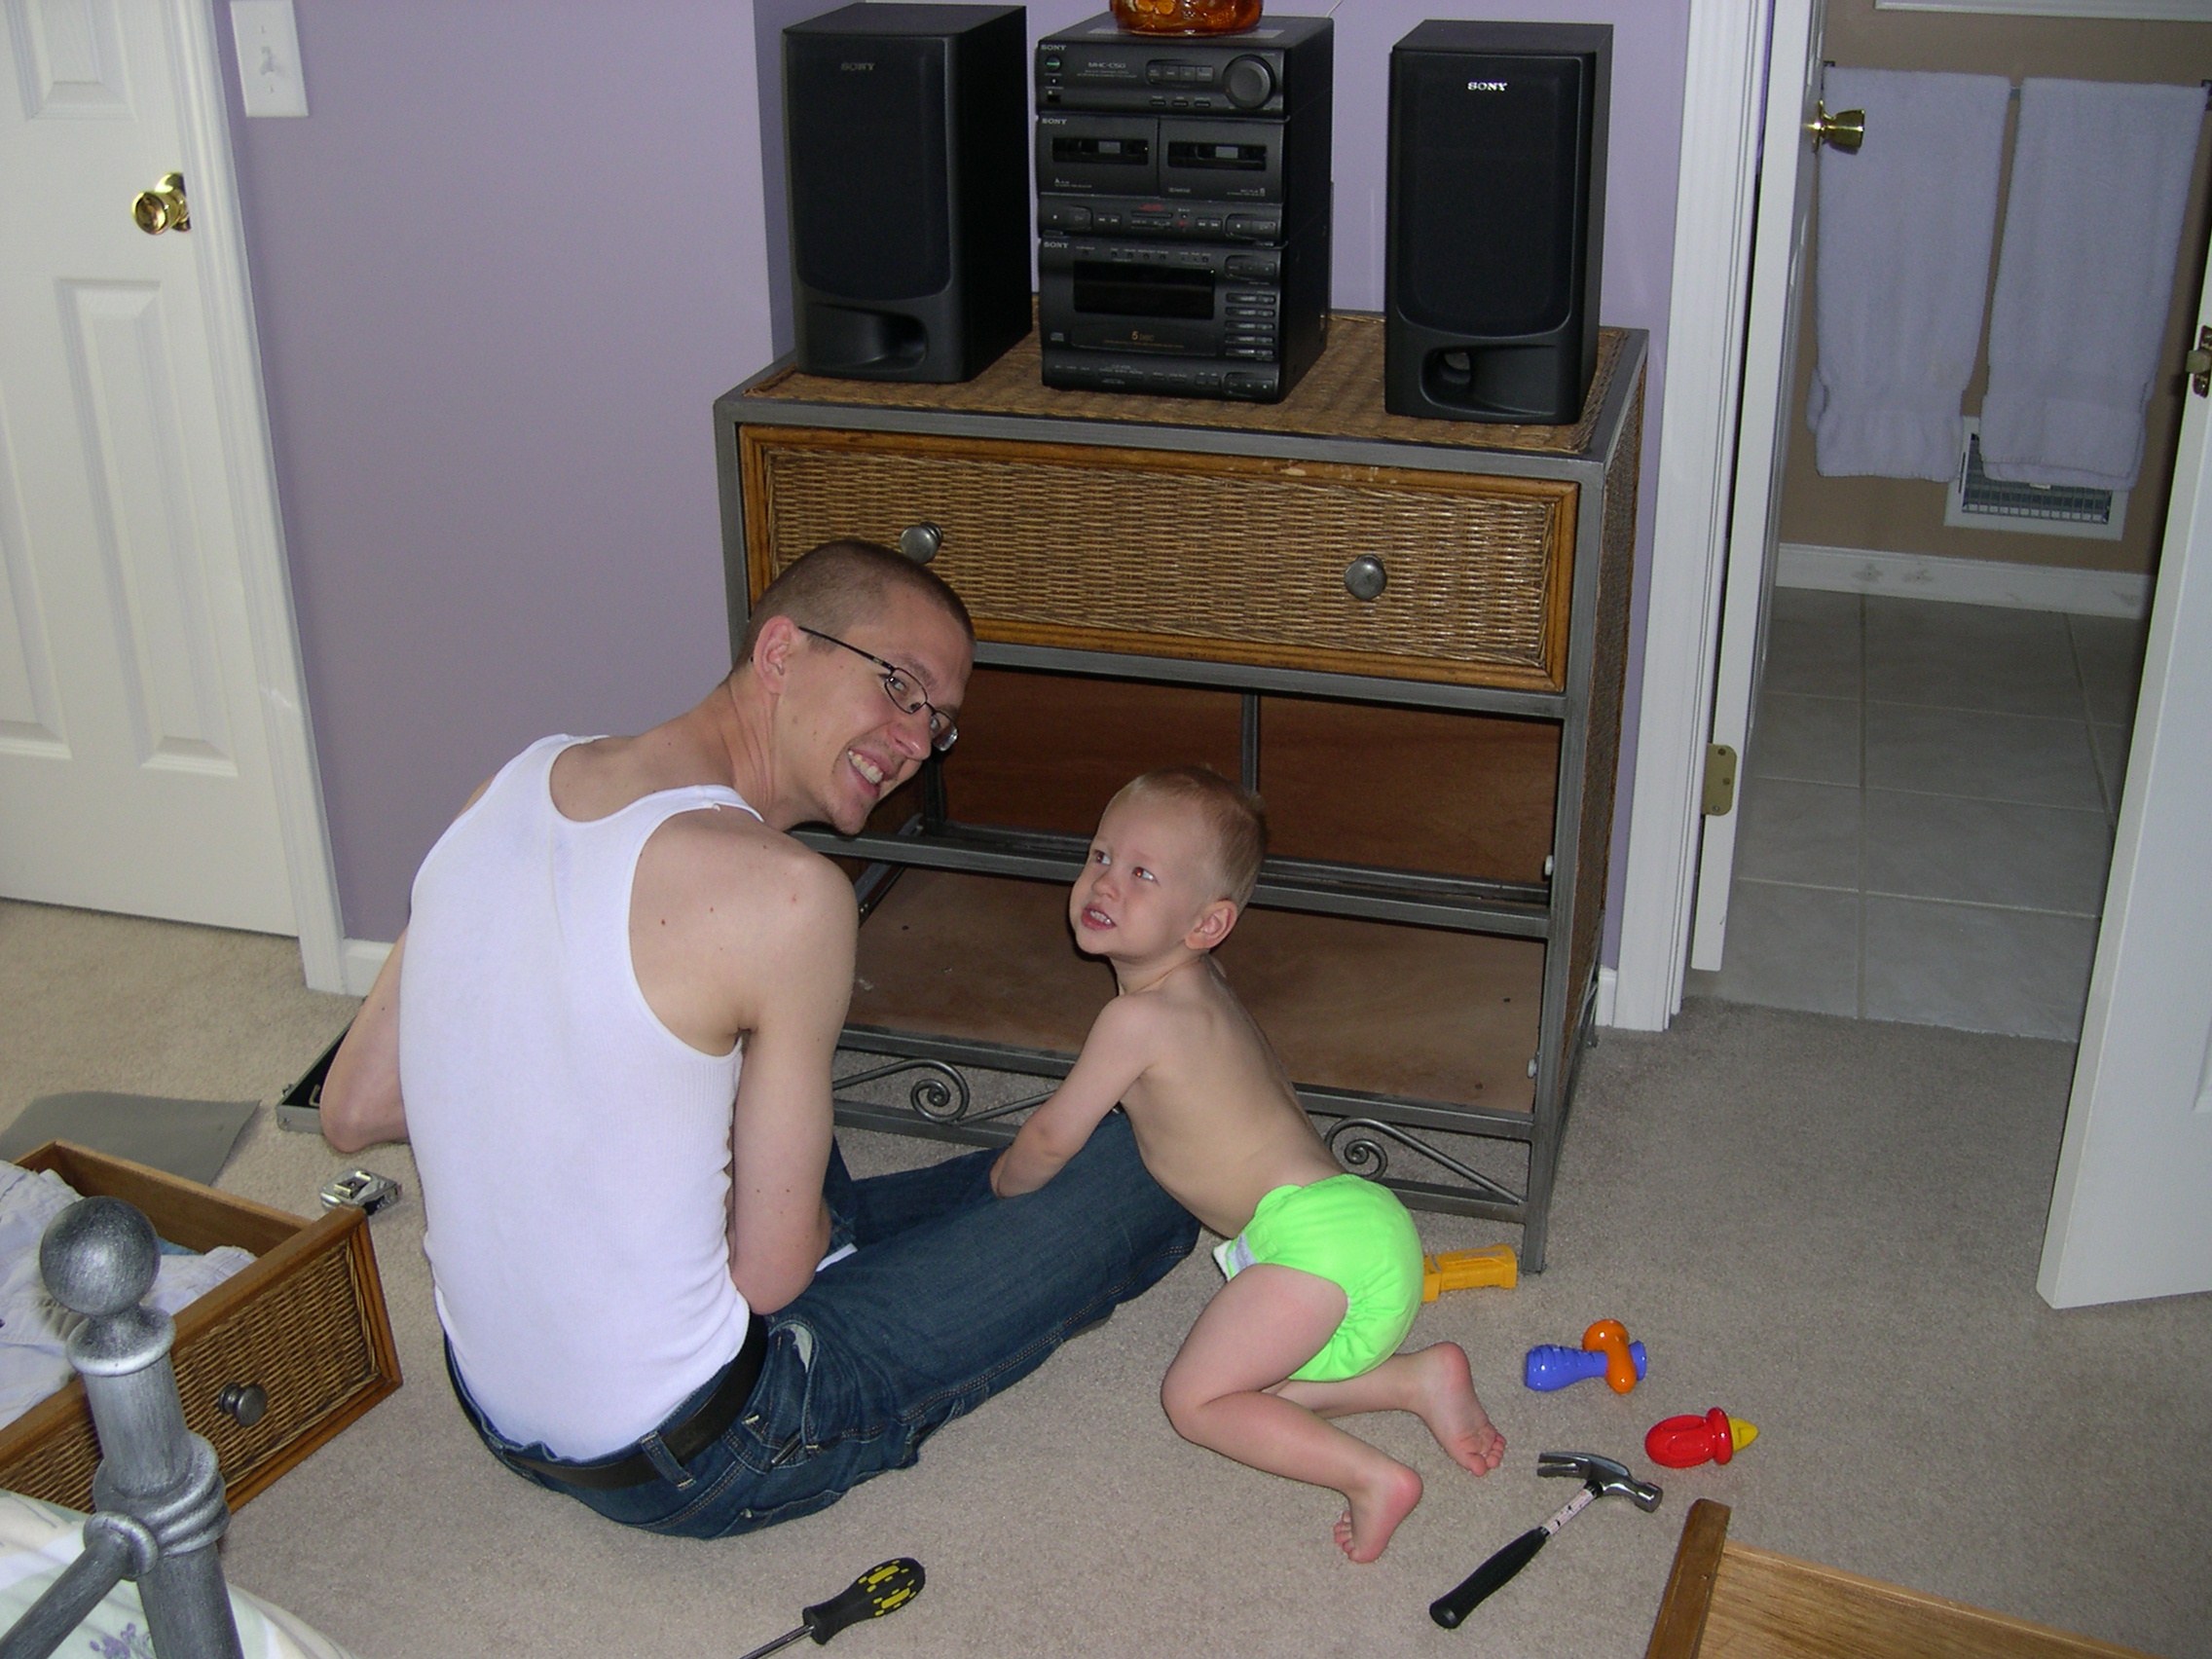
[1468, 1270]
[1609, 1337]
[1684, 1442]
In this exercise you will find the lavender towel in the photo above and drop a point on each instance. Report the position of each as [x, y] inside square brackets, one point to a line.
[2092, 230]
[1904, 264]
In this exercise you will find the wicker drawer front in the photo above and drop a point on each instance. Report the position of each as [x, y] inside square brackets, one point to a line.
[306, 1322]
[1220, 558]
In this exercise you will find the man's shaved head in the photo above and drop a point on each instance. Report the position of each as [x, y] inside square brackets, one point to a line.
[841, 583]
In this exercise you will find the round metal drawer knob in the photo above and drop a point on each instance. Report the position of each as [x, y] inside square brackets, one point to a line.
[920, 543]
[1365, 577]
[245, 1402]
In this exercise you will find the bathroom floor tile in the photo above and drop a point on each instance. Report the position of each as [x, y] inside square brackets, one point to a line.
[1814, 740]
[1790, 947]
[1926, 812]
[2037, 857]
[2021, 972]
[2109, 650]
[1971, 656]
[1812, 643]
[2018, 757]
[2111, 745]
[1806, 834]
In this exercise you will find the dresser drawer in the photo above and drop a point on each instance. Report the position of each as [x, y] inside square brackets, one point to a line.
[306, 1324]
[1215, 558]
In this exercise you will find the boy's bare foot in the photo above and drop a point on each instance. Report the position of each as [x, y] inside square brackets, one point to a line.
[1377, 1509]
[1445, 1400]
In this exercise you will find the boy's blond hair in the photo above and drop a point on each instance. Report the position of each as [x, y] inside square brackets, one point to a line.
[1235, 819]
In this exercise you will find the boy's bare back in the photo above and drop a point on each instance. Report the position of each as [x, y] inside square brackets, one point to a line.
[1214, 1116]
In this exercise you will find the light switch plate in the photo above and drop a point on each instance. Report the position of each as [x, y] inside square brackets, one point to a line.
[267, 38]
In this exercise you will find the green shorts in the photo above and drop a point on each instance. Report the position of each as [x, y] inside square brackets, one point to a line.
[1356, 1234]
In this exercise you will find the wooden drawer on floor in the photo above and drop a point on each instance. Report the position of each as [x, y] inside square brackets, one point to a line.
[1728, 1601]
[306, 1322]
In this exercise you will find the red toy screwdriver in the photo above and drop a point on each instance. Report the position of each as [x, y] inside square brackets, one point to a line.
[1684, 1442]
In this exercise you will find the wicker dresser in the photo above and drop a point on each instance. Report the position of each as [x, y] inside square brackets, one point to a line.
[1409, 635]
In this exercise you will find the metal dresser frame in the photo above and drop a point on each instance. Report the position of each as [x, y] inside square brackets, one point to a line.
[1361, 1127]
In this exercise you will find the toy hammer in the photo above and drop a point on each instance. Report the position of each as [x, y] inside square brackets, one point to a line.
[1600, 1477]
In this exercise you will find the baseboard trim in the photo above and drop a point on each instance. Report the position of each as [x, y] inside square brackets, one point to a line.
[363, 960]
[1608, 992]
[1963, 581]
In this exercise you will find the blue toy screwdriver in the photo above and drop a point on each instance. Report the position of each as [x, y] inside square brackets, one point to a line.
[878, 1591]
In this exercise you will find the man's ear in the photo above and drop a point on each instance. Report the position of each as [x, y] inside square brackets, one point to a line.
[773, 648]
[1212, 926]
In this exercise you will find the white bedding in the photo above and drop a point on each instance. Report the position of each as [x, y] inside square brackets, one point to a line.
[33, 1328]
[38, 1540]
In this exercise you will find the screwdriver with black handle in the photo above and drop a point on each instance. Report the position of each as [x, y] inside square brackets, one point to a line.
[880, 1590]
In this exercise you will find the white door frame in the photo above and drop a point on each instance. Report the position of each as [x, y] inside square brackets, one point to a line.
[1788, 182]
[242, 412]
[1722, 97]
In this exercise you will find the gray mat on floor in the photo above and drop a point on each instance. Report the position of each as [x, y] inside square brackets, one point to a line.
[187, 1138]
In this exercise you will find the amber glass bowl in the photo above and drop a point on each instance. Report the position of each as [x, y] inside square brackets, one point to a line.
[1186, 17]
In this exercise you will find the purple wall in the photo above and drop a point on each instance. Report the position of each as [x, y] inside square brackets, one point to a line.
[500, 274]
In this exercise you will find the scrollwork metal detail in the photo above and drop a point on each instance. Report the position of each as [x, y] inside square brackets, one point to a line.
[1358, 1144]
[941, 1093]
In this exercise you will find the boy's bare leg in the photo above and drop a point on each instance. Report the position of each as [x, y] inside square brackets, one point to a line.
[1433, 1383]
[1264, 1324]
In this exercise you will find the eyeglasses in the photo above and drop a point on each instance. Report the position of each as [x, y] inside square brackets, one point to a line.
[896, 686]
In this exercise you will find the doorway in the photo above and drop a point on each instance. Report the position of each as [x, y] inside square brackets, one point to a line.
[155, 752]
[1932, 772]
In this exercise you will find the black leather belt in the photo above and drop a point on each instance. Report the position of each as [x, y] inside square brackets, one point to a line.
[686, 1441]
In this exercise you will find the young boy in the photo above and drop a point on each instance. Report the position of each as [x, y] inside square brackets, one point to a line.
[1324, 1268]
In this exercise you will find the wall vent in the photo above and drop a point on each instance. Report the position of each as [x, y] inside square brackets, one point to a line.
[1978, 502]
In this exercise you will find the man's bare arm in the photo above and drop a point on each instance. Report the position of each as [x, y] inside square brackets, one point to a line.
[360, 1094]
[1114, 1057]
[801, 965]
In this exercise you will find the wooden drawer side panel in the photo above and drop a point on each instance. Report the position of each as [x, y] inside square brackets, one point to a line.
[1232, 559]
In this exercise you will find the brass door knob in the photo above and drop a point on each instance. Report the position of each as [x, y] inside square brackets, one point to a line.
[1846, 129]
[162, 208]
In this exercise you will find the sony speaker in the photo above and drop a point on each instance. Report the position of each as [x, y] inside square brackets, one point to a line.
[907, 151]
[1496, 219]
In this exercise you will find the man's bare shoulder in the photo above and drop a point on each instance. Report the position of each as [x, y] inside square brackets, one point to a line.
[724, 863]
[736, 928]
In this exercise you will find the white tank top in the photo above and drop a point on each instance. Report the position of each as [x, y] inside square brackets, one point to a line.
[573, 1151]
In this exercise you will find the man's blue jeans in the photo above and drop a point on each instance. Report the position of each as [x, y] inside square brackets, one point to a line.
[952, 1294]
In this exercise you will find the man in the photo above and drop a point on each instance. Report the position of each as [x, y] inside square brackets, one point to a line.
[607, 1031]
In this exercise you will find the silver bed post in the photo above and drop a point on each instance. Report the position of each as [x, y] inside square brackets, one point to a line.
[158, 1490]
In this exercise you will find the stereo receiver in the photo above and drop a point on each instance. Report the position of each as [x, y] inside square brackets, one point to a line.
[1183, 206]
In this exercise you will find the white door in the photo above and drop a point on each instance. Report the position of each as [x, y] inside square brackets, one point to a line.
[2131, 1211]
[136, 770]
[1770, 355]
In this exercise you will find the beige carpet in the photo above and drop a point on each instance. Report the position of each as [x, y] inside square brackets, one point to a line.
[1827, 1227]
